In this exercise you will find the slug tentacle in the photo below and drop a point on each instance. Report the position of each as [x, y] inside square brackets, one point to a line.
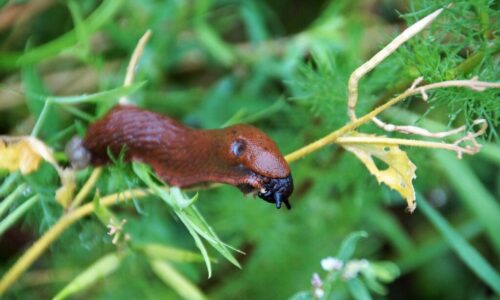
[239, 155]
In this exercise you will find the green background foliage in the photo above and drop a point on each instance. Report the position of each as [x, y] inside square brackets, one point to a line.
[282, 66]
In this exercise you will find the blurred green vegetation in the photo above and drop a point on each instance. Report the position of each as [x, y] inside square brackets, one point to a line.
[282, 66]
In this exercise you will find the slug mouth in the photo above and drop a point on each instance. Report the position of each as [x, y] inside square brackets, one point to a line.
[277, 191]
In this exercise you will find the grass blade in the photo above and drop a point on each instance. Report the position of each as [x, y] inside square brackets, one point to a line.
[101, 15]
[13, 217]
[110, 95]
[163, 252]
[8, 184]
[392, 229]
[100, 269]
[7, 202]
[185, 288]
[464, 250]
[188, 215]
[435, 248]
[473, 194]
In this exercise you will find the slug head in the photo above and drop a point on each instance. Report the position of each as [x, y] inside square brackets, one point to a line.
[277, 191]
[253, 150]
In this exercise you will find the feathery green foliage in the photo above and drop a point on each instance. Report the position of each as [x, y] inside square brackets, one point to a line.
[283, 67]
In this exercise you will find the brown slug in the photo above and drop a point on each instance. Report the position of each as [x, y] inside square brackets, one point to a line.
[239, 155]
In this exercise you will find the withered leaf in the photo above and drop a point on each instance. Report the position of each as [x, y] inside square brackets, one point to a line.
[400, 170]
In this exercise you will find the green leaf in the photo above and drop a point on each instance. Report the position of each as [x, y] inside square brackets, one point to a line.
[158, 252]
[358, 290]
[372, 283]
[188, 215]
[349, 245]
[109, 95]
[103, 14]
[14, 216]
[41, 119]
[255, 24]
[304, 295]
[491, 152]
[36, 90]
[214, 44]
[102, 268]
[102, 212]
[385, 271]
[180, 284]
[473, 194]
[8, 184]
[81, 30]
[435, 248]
[199, 244]
[379, 271]
[80, 114]
[392, 229]
[470, 256]
[11, 198]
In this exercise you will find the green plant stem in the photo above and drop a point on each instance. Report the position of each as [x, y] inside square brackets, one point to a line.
[95, 21]
[7, 202]
[8, 183]
[37, 249]
[89, 184]
[41, 119]
[330, 138]
[12, 218]
[491, 152]
[25, 261]
[185, 288]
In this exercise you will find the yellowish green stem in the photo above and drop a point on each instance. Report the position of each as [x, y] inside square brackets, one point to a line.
[330, 138]
[401, 142]
[25, 261]
[85, 190]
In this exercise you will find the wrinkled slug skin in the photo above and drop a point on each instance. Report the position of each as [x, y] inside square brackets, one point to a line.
[183, 156]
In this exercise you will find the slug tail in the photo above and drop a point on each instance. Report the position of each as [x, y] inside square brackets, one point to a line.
[78, 155]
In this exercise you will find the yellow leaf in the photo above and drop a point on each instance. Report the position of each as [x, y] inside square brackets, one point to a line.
[64, 194]
[399, 173]
[25, 154]
[20, 156]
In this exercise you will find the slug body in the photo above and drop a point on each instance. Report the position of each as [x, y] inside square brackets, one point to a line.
[239, 155]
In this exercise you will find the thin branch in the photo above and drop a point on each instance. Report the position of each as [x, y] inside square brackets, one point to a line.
[330, 138]
[27, 259]
[415, 143]
[85, 190]
[380, 56]
[408, 129]
[134, 60]
[72, 216]
[473, 84]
